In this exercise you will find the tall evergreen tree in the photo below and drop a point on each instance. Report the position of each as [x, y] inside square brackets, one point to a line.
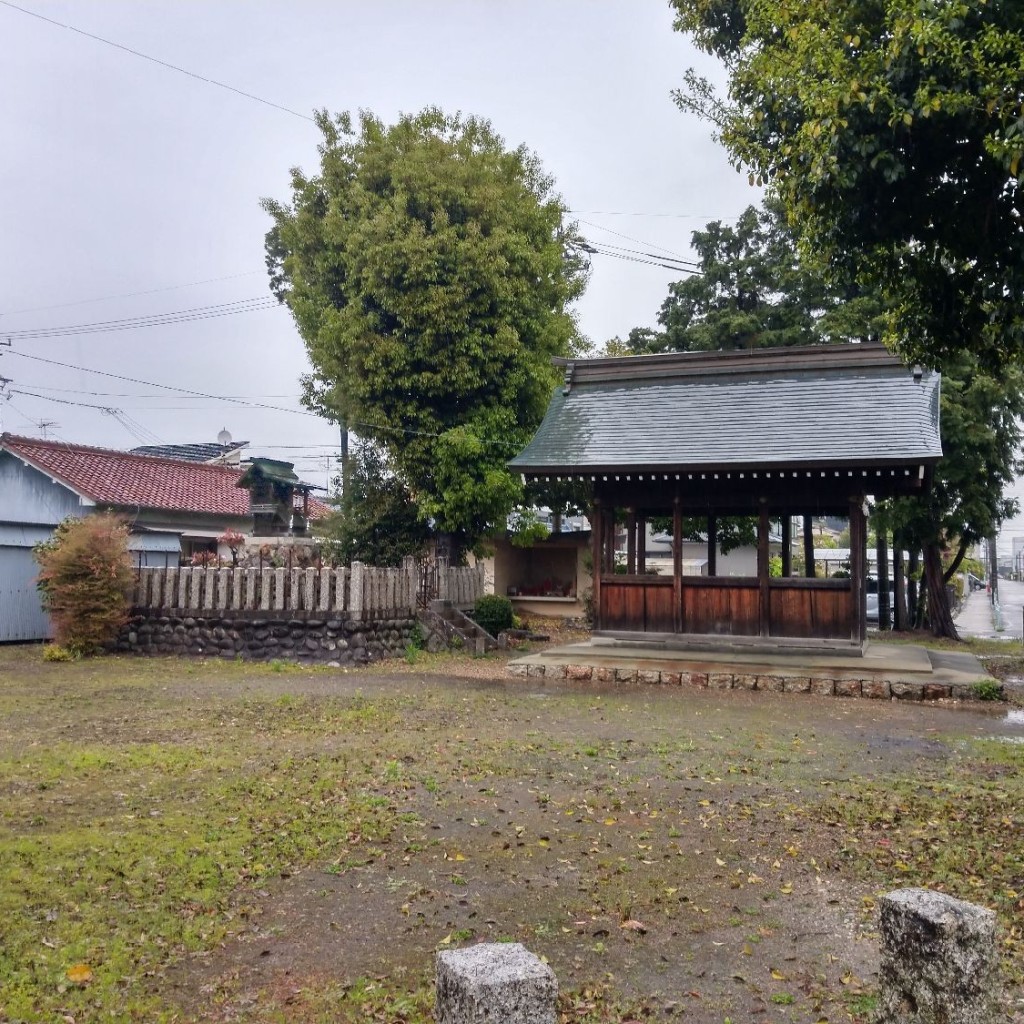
[430, 276]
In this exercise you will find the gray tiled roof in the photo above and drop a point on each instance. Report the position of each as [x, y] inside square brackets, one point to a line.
[198, 452]
[858, 406]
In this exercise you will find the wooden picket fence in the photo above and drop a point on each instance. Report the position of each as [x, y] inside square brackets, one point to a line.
[356, 591]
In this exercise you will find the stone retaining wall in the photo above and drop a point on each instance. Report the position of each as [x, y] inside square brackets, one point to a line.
[304, 638]
[881, 689]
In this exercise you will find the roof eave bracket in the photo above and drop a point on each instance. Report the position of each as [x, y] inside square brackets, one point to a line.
[570, 369]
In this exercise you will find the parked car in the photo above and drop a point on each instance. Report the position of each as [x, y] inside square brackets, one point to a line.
[872, 598]
[974, 582]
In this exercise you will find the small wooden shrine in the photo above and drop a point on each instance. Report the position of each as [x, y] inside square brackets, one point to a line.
[278, 500]
[772, 433]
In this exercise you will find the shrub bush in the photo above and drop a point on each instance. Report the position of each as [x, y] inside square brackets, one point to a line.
[493, 612]
[988, 689]
[85, 576]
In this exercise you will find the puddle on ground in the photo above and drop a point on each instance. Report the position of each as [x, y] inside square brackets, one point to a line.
[1015, 716]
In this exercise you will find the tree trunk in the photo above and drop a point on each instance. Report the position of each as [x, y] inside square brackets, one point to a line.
[939, 614]
[951, 571]
[913, 605]
[899, 617]
[882, 579]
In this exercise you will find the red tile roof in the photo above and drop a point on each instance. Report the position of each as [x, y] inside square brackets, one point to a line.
[110, 477]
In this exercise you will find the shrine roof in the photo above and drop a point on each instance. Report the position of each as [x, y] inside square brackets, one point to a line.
[849, 405]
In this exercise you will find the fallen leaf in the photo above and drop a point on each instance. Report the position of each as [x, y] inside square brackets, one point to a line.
[80, 974]
[778, 975]
[634, 926]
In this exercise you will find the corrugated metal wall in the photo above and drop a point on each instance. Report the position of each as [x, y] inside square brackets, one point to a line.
[21, 612]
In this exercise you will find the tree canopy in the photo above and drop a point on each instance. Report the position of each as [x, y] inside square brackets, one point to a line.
[753, 290]
[893, 133]
[430, 276]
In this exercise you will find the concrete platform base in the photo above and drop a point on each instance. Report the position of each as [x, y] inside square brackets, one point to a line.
[885, 671]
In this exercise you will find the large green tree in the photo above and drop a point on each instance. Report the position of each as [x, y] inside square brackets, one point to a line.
[753, 290]
[893, 132]
[430, 275]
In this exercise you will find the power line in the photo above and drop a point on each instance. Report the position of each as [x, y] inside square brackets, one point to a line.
[156, 60]
[251, 405]
[151, 320]
[140, 394]
[627, 213]
[153, 384]
[589, 247]
[647, 255]
[131, 295]
[630, 238]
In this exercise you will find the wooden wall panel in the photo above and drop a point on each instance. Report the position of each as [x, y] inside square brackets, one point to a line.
[825, 614]
[660, 609]
[721, 610]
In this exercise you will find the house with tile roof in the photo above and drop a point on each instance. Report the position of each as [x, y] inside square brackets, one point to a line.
[176, 508]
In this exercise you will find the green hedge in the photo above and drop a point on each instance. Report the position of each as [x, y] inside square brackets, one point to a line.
[493, 612]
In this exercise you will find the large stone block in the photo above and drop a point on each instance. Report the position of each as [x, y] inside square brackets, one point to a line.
[847, 687]
[823, 685]
[578, 671]
[773, 683]
[745, 682]
[875, 688]
[907, 691]
[720, 680]
[494, 983]
[939, 962]
[797, 684]
[647, 675]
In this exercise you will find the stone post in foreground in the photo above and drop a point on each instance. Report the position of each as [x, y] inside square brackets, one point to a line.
[939, 962]
[494, 983]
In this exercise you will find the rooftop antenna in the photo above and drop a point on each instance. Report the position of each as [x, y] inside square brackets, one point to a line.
[45, 425]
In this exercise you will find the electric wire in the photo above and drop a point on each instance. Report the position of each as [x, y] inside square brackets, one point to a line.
[253, 405]
[630, 238]
[156, 60]
[131, 295]
[255, 304]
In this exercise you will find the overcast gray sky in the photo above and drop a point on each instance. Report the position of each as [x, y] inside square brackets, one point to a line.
[121, 176]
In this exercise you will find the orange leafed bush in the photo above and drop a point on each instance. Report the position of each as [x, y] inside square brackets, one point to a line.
[85, 576]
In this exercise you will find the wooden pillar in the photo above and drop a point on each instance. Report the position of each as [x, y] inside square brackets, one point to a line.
[641, 545]
[631, 541]
[787, 545]
[597, 546]
[809, 569]
[858, 568]
[712, 545]
[762, 568]
[677, 565]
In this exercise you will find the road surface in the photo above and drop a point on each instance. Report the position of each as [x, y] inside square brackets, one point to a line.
[1011, 607]
[975, 618]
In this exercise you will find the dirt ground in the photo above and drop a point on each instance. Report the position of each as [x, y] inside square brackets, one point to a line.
[671, 852]
[737, 906]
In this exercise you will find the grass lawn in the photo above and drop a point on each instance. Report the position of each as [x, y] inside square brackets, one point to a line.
[215, 841]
